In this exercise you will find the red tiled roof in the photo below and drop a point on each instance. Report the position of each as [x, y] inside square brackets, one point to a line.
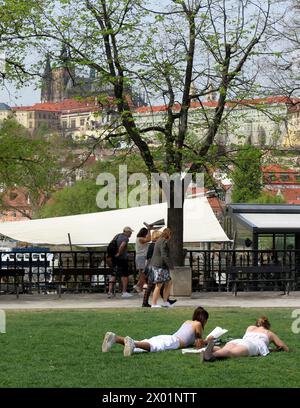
[65, 105]
[290, 195]
[16, 197]
[213, 104]
[274, 168]
[269, 100]
[75, 105]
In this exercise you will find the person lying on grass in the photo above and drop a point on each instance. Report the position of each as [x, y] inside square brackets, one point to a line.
[189, 333]
[255, 342]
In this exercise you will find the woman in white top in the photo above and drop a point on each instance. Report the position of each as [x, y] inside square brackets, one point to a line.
[189, 333]
[255, 342]
[141, 247]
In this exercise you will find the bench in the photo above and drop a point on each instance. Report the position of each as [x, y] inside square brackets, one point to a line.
[260, 274]
[61, 275]
[17, 274]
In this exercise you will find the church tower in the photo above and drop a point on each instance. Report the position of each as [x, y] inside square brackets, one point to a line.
[57, 81]
[62, 77]
[46, 91]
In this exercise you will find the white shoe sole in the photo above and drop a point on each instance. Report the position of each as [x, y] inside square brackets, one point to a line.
[208, 355]
[127, 347]
[107, 342]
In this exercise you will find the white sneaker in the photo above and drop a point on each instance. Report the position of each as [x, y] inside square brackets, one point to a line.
[126, 295]
[155, 305]
[208, 352]
[109, 295]
[166, 304]
[128, 346]
[109, 340]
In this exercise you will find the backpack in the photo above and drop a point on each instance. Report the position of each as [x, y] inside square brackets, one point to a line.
[111, 250]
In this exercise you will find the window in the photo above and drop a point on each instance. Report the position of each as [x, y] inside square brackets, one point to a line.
[82, 122]
[73, 123]
[284, 177]
[13, 196]
[30, 115]
[30, 125]
[64, 124]
[270, 177]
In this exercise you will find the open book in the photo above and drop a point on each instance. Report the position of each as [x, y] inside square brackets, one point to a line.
[216, 333]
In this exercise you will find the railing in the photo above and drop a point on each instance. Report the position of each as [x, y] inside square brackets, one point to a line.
[210, 269]
[41, 271]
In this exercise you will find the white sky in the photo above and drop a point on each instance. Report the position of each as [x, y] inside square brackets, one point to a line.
[29, 95]
[21, 97]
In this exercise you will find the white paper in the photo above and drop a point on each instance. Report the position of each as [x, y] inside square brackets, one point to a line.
[192, 350]
[217, 332]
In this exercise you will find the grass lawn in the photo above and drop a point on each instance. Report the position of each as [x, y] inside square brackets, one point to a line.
[63, 349]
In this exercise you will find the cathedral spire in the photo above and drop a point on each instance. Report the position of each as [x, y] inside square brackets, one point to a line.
[46, 91]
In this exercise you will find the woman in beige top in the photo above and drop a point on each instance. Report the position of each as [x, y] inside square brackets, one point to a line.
[161, 265]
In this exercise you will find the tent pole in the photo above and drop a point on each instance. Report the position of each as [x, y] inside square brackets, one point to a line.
[70, 242]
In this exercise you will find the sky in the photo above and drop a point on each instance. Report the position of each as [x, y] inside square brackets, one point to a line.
[29, 95]
[21, 97]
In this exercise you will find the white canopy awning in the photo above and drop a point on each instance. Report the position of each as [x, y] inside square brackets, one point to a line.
[96, 229]
[272, 220]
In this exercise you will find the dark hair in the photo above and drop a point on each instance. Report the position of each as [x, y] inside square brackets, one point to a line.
[201, 315]
[263, 321]
[142, 233]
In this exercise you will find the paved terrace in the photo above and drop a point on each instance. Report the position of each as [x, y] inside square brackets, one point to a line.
[98, 301]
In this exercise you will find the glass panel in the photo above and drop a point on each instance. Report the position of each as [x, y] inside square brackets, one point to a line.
[265, 241]
[243, 237]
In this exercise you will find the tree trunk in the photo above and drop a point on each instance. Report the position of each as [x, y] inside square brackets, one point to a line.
[175, 223]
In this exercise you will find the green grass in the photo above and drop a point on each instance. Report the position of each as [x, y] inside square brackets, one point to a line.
[63, 349]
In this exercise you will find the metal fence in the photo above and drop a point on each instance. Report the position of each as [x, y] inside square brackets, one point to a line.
[210, 269]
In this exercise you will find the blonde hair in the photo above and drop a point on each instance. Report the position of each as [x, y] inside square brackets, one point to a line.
[263, 321]
[166, 233]
[155, 235]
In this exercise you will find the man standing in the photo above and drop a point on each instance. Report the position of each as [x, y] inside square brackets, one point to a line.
[120, 263]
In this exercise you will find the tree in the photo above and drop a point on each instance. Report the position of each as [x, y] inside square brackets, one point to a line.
[81, 197]
[77, 199]
[247, 176]
[281, 68]
[265, 198]
[179, 52]
[27, 162]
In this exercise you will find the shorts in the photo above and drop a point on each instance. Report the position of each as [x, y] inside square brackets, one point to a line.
[160, 275]
[140, 262]
[121, 268]
[253, 348]
[162, 343]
